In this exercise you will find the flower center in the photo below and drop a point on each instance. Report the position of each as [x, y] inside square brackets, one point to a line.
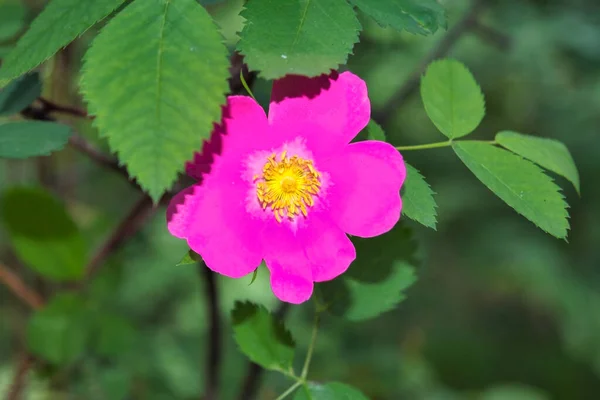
[287, 185]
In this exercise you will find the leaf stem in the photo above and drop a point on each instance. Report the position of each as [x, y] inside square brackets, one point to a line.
[311, 347]
[290, 390]
[436, 145]
[425, 146]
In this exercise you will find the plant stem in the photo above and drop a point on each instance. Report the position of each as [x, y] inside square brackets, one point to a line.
[213, 362]
[290, 390]
[311, 347]
[425, 146]
[440, 144]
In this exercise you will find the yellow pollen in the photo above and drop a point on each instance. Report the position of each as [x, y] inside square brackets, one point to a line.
[287, 186]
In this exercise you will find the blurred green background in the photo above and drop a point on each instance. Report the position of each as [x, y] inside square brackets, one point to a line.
[500, 311]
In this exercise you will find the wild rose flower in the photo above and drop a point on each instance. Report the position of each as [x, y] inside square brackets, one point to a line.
[289, 187]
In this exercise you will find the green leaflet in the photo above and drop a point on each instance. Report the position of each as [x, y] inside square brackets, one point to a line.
[43, 234]
[418, 203]
[547, 153]
[328, 391]
[305, 37]
[19, 94]
[155, 78]
[376, 280]
[32, 138]
[452, 98]
[59, 332]
[375, 131]
[61, 22]
[12, 19]
[520, 183]
[414, 16]
[261, 337]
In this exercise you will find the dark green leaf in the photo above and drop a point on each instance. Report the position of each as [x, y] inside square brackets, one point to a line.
[43, 233]
[61, 22]
[261, 337]
[520, 183]
[32, 138]
[414, 16]
[547, 153]
[171, 54]
[114, 335]
[452, 98]
[190, 258]
[12, 18]
[328, 391]
[19, 94]
[375, 281]
[418, 203]
[304, 37]
[375, 132]
[59, 332]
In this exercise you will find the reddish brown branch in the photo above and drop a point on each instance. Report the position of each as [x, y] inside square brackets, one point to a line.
[49, 107]
[19, 288]
[130, 225]
[15, 391]
[213, 362]
[80, 144]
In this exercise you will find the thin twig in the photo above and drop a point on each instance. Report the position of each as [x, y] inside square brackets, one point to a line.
[15, 391]
[49, 106]
[254, 374]
[494, 37]
[80, 144]
[466, 23]
[213, 362]
[20, 289]
[130, 225]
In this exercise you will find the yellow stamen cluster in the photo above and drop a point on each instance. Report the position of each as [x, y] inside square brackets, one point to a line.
[287, 186]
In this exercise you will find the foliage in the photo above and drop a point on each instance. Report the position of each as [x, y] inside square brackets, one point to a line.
[480, 304]
[155, 134]
[43, 234]
[452, 98]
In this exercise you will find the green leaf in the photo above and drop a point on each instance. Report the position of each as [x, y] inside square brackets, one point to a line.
[304, 37]
[452, 98]
[261, 337]
[520, 183]
[414, 16]
[375, 281]
[12, 19]
[20, 93]
[43, 234]
[59, 332]
[375, 131]
[170, 54]
[547, 153]
[61, 22]
[328, 391]
[418, 203]
[114, 335]
[32, 138]
[190, 258]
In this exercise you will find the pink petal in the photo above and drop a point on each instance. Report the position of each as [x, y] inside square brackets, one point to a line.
[243, 127]
[213, 219]
[316, 250]
[329, 111]
[365, 195]
[212, 215]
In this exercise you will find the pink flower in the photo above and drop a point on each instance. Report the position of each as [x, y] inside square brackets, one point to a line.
[289, 188]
